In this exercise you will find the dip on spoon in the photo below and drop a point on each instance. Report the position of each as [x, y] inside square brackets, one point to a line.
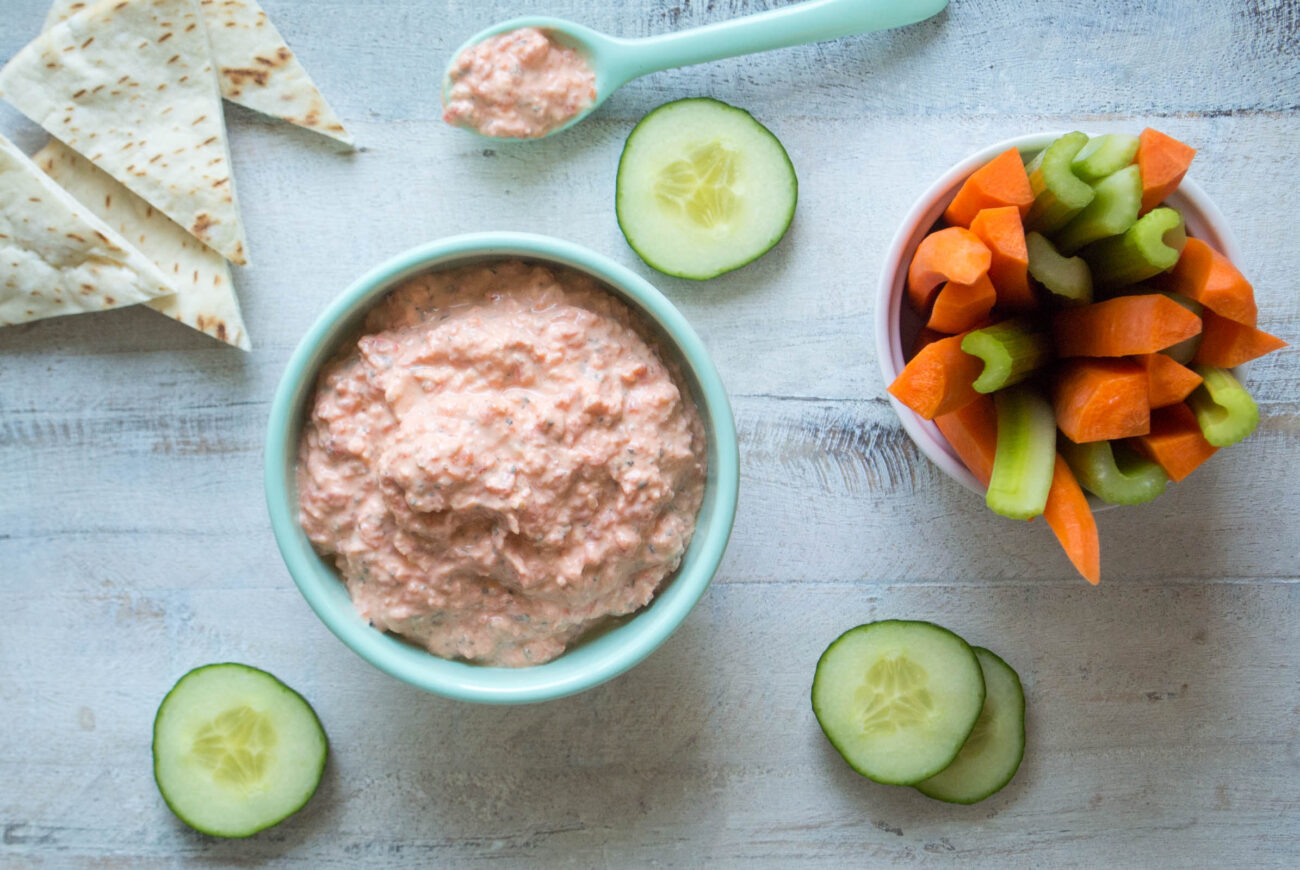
[520, 84]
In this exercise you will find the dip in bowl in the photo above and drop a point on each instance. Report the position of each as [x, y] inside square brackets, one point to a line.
[593, 655]
[897, 324]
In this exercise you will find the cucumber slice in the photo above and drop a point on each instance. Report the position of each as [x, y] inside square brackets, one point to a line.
[703, 189]
[991, 755]
[235, 750]
[897, 699]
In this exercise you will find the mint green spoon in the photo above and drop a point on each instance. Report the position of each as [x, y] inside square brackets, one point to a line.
[617, 61]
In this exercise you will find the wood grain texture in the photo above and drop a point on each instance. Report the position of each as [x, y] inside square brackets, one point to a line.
[1164, 707]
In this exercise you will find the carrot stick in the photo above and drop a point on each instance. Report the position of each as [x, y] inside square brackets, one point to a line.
[1070, 517]
[1003, 233]
[1001, 181]
[1168, 382]
[1163, 162]
[938, 379]
[954, 254]
[1208, 277]
[1101, 399]
[972, 433]
[1226, 343]
[959, 307]
[1122, 326]
[1175, 441]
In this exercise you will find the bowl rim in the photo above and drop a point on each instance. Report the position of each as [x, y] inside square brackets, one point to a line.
[570, 673]
[1190, 198]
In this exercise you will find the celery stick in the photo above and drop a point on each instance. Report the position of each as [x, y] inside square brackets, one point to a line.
[1104, 155]
[1011, 350]
[1066, 278]
[1112, 211]
[1224, 410]
[1058, 195]
[1185, 351]
[1026, 453]
[1146, 249]
[1113, 471]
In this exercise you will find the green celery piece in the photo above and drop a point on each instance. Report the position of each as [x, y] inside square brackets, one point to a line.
[1011, 350]
[1067, 279]
[1058, 195]
[1152, 245]
[1185, 351]
[1224, 410]
[1113, 472]
[1104, 155]
[1026, 453]
[1112, 211]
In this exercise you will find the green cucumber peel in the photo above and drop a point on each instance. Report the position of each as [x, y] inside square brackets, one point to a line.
[1114, 472]
[1058, 194]
[1224, 409]
[1104, 155]
[1067, 279]
[1026, 453]
[1112, 211]
[1151, 246]
[992, 754]
[1011, 351]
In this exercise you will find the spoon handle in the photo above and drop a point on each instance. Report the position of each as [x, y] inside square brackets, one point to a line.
[810, 21]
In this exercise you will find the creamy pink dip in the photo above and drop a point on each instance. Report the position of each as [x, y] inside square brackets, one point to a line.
[518, 85]
[500, 463]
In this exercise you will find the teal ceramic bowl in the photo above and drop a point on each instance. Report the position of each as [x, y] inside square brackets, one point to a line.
[595, 659]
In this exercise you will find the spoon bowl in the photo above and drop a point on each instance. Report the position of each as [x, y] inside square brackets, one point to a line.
[616, 61]
[599, 50]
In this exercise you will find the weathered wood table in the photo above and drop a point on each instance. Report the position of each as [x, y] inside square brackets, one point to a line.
[1163, 706]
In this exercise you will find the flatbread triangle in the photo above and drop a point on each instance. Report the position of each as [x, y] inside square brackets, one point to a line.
[56, 257]
[205, 294]
[255, 65]
[130, 84]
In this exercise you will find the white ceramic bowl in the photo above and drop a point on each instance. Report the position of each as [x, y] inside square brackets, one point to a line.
[897, 324]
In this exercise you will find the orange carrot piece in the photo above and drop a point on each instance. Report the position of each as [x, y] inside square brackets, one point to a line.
[1070, 516]
[939, 379]
[959, 307]
[972, 433]
[1162, 160]
[1101, 399]
[953, 254]
[1003, 233]
[925, 336]
[1123, 326]
[1175, 441]
[1168, 381]
[1001, 181]
[1226, 343]
[1205, 275]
